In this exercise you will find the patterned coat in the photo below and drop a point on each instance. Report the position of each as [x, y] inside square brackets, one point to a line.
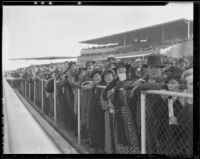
[125, 135]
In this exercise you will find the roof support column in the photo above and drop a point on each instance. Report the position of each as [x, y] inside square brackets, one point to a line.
[162, 34]
[188, 29]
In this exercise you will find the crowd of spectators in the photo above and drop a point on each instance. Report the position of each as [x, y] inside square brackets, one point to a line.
[110, 101]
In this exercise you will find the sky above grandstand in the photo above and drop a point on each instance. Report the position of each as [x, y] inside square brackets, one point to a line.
[38, 31]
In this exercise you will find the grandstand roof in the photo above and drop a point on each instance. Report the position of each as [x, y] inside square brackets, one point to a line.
[45, 58]
[120, 36]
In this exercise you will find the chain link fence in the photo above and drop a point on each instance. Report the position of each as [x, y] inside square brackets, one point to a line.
[168, 123]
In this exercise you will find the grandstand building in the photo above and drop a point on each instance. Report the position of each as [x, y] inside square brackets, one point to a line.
[140, 42]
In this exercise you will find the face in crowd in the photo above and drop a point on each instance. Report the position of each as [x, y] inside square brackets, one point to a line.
[73, 67]
[108, 78]
[96, 78]
[90, 67]
[102, 69]
[154, 71]
[174, 85]
[121, 73]
[112, 66]
[53, 75]
[189, 83]
[96, 67]
[81, 75]
[187, 78]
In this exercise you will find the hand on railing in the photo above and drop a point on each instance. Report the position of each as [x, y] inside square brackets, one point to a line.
[110, 93]
[87, 85]
[184, 101]
[135, 85]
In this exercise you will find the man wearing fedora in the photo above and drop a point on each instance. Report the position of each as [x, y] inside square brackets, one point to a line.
[152, 80]
[154, 69]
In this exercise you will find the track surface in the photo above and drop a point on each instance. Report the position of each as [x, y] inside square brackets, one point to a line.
[23, 134]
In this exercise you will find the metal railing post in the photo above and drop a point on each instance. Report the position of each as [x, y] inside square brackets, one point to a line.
[34, 86]
[143, 124]
[29, 91]
[42, 93]
[79, 119]
[25, 87]
[54, 93]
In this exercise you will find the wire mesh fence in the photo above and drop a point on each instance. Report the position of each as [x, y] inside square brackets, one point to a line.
[169, 123]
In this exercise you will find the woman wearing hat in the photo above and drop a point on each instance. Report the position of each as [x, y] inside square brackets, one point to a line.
[90, 67]
[109, 109]
[96, 127]
[86, 91]
[137, 69]
[125, 137]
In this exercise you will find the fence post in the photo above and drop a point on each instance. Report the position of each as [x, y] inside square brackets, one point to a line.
[54, 93]
[143, 124]
[79, 120]
[34, 88]
[25, 87]
[42, 100]
[29, 86]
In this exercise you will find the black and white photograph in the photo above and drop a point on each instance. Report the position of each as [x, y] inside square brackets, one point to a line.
[98, 79]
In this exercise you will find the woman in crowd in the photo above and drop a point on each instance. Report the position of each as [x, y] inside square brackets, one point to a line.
[109, 110]
[68, 104]
[80, 78]
[125, 136]
[87, 93]
[185, 116]
[97, 114]
[167, 127]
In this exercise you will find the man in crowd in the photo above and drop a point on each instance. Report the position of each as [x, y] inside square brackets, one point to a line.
[153, 80]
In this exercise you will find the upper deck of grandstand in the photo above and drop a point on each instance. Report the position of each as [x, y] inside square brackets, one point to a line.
[141, 39]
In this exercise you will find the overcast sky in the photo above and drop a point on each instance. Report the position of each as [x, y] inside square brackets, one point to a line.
[37, 31]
